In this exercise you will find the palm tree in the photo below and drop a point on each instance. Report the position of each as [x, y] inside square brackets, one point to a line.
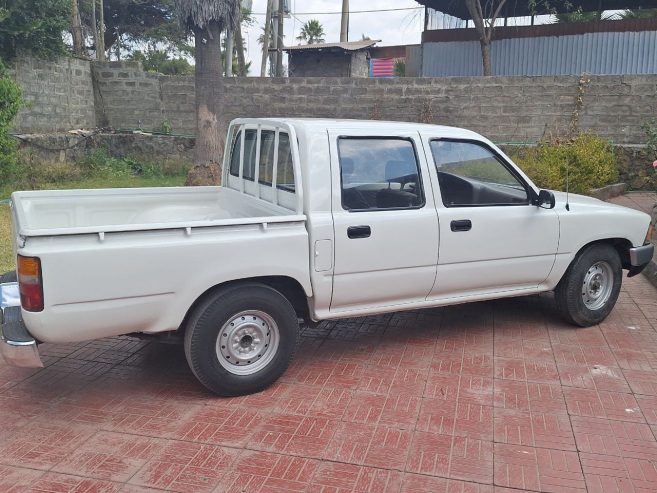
[207, 19]
[312, 32]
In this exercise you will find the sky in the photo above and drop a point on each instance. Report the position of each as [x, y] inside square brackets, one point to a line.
[392, 28]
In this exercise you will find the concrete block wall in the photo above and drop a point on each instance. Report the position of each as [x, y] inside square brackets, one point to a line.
[58, 93]
[505, 109]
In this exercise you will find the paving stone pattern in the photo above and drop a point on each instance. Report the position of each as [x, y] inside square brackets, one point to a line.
[496, 396]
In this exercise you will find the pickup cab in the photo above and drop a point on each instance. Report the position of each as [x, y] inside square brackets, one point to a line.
[314, 220]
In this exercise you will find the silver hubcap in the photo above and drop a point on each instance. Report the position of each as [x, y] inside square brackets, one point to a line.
[597, 285]
[247, 342]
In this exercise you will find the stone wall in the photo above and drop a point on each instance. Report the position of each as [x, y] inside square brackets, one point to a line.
[58, 93]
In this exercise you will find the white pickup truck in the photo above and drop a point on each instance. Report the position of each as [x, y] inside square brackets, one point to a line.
[315, 220]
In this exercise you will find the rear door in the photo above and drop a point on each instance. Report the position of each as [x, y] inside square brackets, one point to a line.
[385, 222]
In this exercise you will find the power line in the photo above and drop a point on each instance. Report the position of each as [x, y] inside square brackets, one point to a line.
[350, 12]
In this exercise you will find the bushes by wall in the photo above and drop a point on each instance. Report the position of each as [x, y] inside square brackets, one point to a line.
[588, 161]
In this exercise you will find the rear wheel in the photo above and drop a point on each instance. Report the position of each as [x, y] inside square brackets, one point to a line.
[590, 287]
[241, 339]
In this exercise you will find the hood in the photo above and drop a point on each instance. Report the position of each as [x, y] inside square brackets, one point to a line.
[576, 201]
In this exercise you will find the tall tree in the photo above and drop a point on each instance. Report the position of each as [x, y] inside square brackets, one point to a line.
[484, 17]
[77, 34]
[207, 19]
[312, 32]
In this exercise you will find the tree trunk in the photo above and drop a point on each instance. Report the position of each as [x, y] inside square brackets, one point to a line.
[239, 46]
[485, 57]
[208, 73]
[100, 38]
[76, 29]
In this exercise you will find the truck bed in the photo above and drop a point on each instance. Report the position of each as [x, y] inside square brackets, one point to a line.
[67, 212]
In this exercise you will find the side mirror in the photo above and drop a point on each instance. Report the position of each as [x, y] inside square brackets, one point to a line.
[546, 199]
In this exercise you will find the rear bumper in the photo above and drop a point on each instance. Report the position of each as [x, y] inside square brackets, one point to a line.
[639, 258]
[17, 346]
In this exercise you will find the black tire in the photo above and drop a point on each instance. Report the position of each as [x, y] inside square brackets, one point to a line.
[8, 277]
[212, 320]
[571, 292]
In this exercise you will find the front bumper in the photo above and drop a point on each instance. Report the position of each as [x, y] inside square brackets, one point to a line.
[639, 258]
[17, 346]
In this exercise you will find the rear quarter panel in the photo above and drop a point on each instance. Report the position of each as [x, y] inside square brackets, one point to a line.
[147, 281]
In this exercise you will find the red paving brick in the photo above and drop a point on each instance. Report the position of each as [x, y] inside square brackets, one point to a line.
[490, 397]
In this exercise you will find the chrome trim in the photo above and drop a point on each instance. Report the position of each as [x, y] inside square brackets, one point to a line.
[18, 347]
[640, 256]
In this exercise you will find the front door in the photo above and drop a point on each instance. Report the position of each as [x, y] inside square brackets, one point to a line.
[492, 239]
[385, 222]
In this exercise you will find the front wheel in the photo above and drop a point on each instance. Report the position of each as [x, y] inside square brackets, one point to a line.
[590, 287]
[241, 339]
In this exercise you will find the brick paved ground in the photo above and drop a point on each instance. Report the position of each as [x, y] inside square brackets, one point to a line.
[494, 396]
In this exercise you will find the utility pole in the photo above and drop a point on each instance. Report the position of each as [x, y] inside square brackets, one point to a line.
[265, 42]
[344, 26]
[279, 38]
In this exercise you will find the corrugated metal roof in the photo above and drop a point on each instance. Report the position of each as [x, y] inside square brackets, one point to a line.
[349, 46]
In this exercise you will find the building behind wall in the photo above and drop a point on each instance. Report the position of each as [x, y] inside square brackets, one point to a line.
[330, 59]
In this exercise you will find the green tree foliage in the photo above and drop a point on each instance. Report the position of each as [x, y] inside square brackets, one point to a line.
[639, 14]
[10, 102]
[580, 16]
[34, 26]
[160, 61]
[312, 32]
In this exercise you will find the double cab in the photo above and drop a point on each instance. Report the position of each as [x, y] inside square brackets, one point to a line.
[314, 220]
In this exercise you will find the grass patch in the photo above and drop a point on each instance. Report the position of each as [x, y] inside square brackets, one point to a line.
[6, 253]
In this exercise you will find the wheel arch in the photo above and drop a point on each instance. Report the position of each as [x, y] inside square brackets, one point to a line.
[289, 287]
[621, 245]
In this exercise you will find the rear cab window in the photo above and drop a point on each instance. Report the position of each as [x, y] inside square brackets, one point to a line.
[379, 173]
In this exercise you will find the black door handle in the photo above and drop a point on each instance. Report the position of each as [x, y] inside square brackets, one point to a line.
[355, 232]
[461, 225]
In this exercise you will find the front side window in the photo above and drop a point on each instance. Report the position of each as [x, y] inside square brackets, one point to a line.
[470, 174]
[379, 173]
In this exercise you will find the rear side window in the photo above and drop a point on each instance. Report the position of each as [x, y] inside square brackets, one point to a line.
[250, 139]
[285, 170]
[265, 161]
[379, 173]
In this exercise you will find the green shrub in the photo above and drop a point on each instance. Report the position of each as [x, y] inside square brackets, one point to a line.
[11, 100]
[650, 128]
[588, 159]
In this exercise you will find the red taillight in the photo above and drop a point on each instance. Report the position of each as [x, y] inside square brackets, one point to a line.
[30, 283]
